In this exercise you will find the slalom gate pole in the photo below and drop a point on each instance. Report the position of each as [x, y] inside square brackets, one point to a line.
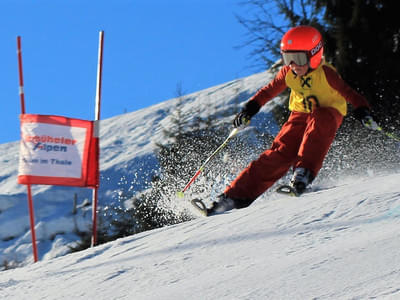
[21, 75]
[32, 222]
[28, 187]
[231, 135]
[95, 191]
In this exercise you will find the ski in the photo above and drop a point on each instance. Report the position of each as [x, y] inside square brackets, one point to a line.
[287, 190]
[200, 206]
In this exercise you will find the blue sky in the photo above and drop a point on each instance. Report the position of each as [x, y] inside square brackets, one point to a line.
[150, 46]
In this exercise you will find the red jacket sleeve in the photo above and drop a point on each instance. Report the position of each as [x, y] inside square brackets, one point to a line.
[272, 89]
[336, 82]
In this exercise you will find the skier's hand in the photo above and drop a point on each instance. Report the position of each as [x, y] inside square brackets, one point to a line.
[363, 114]
[243, 118]
[370, 123]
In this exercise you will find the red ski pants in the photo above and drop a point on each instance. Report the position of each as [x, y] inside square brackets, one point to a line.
[303, 141]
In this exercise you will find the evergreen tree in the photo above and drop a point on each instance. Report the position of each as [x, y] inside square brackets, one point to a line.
[363, 42]
[266, 21]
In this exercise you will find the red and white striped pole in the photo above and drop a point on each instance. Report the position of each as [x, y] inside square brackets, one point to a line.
[97, 132]
[21, 75]
[30, 201]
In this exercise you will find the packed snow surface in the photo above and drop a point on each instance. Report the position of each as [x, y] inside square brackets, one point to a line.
[127, 164]
[337, 242]
[340, 241]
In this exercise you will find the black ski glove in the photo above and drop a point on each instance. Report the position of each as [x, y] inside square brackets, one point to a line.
[243, 118]
[363, 114]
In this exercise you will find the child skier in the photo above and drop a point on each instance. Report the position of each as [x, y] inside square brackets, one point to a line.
[318, 103]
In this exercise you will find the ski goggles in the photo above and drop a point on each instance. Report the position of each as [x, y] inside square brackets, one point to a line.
[298, 57]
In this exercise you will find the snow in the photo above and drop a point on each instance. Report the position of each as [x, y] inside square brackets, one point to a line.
[340, 241]
[127, 163]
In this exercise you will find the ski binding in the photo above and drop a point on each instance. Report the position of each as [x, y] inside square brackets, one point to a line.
[200, 206]
[287, 190]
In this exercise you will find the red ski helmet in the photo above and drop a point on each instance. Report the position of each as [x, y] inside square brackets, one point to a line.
[305, 39]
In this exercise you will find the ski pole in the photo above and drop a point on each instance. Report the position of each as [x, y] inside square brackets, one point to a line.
[389, 134]
[374, 126]
[230, 136]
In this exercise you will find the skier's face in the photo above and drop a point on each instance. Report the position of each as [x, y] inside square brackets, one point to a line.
[299, 70]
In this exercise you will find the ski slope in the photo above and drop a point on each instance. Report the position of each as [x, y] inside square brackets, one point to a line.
[127, 164]
[341, 241]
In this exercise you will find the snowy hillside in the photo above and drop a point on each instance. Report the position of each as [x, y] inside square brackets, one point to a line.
[127, 164]
[339, 242]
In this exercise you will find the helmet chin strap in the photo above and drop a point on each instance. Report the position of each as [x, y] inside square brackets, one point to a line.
[309, 69]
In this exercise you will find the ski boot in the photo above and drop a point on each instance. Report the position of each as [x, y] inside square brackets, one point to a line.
[301, 178]
[220, 206]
